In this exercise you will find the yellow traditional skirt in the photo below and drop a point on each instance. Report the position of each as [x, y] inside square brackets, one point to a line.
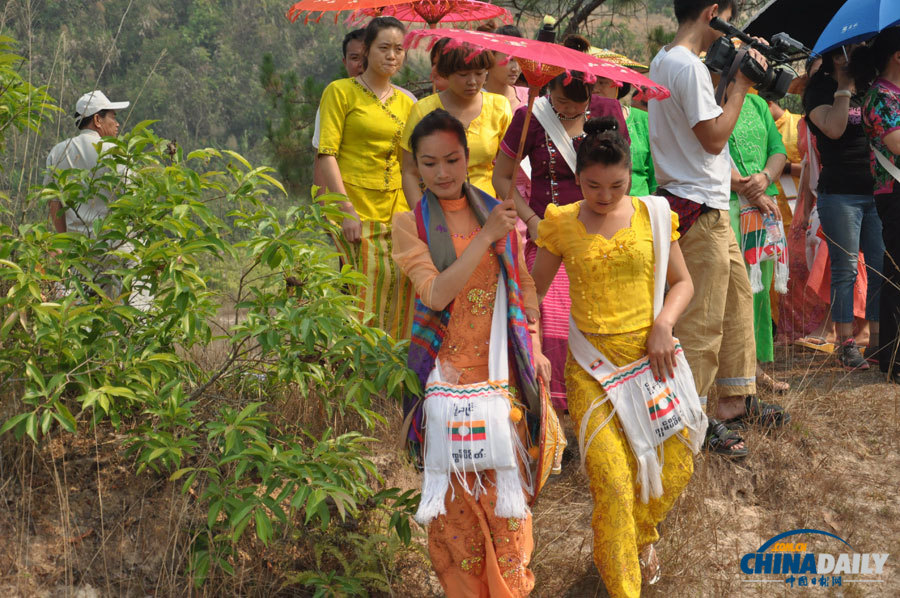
[387, 300]
[622, 524]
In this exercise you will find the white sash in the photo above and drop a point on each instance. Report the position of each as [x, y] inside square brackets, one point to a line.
[543, 111]
[630, 397]
[789, 189]
[813, 163]
[886, 164]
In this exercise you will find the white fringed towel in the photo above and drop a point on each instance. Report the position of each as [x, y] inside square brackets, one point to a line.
[468, 429]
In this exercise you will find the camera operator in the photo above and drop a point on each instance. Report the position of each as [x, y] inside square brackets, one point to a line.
[689, 140]
[846, 201]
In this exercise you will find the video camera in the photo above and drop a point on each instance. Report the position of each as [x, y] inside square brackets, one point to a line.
[773, 81]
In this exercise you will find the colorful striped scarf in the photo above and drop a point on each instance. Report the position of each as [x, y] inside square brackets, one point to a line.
[430, 326]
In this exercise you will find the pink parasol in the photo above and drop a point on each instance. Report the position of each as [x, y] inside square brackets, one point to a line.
[307, 8]
[441, 11]
[540, 62]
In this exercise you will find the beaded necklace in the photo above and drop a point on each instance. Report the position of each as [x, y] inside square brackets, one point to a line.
[551, 149]
[467, 235]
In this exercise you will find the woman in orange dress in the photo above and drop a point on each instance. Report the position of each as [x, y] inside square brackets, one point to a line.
[448, 248]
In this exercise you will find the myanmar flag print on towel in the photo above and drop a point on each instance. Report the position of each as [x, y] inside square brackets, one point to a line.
[462, 431]
[662, 404]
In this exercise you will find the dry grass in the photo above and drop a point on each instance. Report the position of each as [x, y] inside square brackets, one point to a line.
[74, 515]
[77, 522]
[836, 468]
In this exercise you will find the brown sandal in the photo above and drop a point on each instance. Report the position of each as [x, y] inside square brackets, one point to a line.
[650, 570]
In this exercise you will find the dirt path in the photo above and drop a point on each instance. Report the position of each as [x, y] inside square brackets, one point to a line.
[836, 468]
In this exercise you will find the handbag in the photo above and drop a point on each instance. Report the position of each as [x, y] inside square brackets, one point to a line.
[649, 411]
[468, 429]
[762, 239]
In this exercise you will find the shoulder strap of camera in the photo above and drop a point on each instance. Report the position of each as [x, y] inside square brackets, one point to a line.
[725, 80]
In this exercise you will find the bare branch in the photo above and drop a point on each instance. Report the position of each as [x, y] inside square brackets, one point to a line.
[581, 16]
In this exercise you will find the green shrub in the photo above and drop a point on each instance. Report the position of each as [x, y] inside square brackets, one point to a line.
[69, 319]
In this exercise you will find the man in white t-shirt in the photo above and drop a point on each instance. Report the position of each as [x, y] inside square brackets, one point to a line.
[689, 142]
[95, 117]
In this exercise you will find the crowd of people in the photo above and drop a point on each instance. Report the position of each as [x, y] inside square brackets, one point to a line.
[691, 235]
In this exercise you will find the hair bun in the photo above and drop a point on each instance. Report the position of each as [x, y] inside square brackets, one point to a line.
[598, 126]
[574, 41]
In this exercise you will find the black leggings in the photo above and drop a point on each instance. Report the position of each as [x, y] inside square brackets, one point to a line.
[889, 212]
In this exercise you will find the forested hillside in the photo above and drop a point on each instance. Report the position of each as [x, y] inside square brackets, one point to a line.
[195, 65]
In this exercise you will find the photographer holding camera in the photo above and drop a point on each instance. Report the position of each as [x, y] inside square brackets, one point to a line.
[846, 201]
[689, 134]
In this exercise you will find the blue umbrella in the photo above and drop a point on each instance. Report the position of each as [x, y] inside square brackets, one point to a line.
[856, 21]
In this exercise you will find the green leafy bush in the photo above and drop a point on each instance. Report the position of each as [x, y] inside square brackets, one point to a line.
[84, 350]
[22, 105]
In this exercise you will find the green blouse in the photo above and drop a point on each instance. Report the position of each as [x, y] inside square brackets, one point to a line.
[754, 139]
[643, 180]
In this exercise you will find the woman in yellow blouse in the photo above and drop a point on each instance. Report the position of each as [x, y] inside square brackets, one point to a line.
[362, 120]
[485, 116]
[606, 242]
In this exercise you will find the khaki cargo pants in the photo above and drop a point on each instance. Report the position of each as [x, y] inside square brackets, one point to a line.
[716, 329]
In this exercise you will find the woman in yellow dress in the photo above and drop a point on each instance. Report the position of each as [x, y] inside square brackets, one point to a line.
[362, 120]
[607, 245]
[485, 116]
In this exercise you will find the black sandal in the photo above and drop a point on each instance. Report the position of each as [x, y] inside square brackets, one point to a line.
[759, 413]
[723, 441]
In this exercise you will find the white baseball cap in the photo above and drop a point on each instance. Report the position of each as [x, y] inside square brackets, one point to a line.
[93, 102]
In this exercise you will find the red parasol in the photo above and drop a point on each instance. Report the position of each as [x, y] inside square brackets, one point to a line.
[540, 62]
[441, 11]
[308, 7]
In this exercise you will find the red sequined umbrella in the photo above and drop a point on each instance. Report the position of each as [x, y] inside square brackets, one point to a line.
[540, 62]
[308, 8]
[441, 11]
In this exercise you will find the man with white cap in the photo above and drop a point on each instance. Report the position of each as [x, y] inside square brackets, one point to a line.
[95, 116]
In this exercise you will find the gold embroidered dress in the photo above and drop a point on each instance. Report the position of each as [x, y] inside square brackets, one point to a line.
[611, 287]
[363, 134]
[474, 553]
